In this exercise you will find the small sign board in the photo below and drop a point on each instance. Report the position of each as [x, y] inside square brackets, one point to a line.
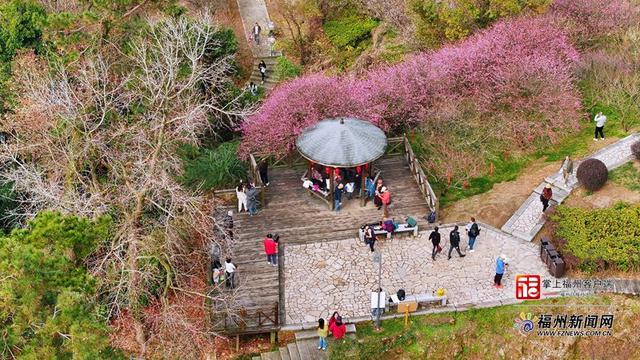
[407, 306]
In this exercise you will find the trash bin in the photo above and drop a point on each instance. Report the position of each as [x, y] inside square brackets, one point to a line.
[543, 245]
[545, 254]
[556, 267]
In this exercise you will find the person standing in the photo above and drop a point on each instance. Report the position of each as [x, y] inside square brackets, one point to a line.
[377, 201]
[228, 223]
[385, 198]
[230, 273]
[501, 264]
[454, 241]
[473, 230]
[337, 197]
[323, 332]
[435, 240]
[242, 197]
[252, 201]
[263, 169]
[599, 120]
[256, 33]
[369, 237]
[546, 195]
[567, 169]
[271, 249]
[262, 66]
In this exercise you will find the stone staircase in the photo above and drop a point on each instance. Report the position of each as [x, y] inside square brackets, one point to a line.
[270, 81]
[304, 348]
[527, 221]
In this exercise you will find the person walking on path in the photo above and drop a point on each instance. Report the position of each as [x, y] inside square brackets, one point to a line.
[369, 237]
[271, 249]
[501, 264]
[262, 66]
[252, 201]
[599, 120]
[228, 223]
[473, 230]
[385, 197]
[435, 240]
[256, 33]
[337, 328]
[323, 332]
[242, 197]
[263, 169]
[337, 197]
[230, 273]
[567, 169]
[546, 195]
[454, 240]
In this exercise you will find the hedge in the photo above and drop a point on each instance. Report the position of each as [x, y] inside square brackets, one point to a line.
[599, 239]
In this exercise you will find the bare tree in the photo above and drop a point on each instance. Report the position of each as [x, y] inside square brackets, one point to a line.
[298, 16]
[107, 146]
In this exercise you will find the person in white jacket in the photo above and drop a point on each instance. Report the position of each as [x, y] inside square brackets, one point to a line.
[600, 120]
[242, 197]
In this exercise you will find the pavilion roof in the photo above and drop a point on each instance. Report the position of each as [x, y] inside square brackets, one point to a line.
[342, 142]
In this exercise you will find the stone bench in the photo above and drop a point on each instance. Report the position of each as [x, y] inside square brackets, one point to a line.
[402, 228]
[419, 298]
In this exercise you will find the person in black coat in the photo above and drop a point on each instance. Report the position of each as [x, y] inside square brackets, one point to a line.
[435, 240]
[263, 169]
[454, 240]
[369, 236]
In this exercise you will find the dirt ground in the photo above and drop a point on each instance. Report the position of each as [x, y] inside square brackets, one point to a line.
[496, 206]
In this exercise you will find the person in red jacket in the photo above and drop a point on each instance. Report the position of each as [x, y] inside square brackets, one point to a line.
[271, 249]
[385, 197]
[337, 328]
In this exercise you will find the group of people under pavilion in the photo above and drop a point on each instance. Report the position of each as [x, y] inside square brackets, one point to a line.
[340, 154]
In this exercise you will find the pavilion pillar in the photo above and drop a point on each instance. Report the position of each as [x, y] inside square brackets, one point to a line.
[331, 187]
[363, 191]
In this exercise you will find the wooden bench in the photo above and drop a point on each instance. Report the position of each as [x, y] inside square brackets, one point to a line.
[402, 228]
[419, 298]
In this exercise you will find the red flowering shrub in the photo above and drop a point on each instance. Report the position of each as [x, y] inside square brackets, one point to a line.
[511, 84]
[588, 20]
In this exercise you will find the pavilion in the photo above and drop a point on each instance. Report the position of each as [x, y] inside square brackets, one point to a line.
[335, 146]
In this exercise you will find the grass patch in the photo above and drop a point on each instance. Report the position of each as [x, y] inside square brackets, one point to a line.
[626, 175]
[350, 35]
[208, 169]
[456, 335]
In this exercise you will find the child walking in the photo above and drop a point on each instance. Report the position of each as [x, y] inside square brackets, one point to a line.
[323, 332]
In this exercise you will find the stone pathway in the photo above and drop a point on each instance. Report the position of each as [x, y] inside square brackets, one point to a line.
[340, 275]
[527, 221]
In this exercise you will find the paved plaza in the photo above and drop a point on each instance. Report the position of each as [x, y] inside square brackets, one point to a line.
[339, 275]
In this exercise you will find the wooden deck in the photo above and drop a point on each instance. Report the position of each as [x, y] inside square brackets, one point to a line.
[300, 218]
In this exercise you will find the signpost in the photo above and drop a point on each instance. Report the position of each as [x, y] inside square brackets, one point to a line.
[377, 257]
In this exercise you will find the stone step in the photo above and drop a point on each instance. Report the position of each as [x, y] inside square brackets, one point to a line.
[273, 355]
[284, 353]
[293, 351]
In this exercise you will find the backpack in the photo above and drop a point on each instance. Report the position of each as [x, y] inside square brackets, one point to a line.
[431, 218]
[411, 222]
[401, 294]
[475, 230]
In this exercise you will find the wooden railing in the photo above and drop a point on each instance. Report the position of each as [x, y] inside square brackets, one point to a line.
[421, 178]
[395, 146]
[244, 322]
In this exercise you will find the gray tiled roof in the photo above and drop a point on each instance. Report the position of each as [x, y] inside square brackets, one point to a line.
[351, 142]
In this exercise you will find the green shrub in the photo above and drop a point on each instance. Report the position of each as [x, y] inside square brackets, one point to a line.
[212, 169]
[349, 31]
[285, 69]
[8, 202]
[592, 174]
[601, 238]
